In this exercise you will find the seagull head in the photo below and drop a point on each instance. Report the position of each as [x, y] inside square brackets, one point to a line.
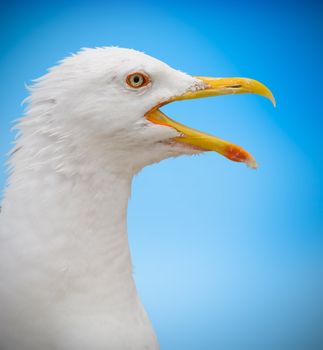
[110, 98]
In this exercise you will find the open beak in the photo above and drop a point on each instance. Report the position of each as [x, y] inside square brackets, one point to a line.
[203, 141]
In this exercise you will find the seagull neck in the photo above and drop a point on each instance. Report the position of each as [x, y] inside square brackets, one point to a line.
[79, 225]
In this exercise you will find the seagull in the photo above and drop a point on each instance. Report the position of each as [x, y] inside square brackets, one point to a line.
[91, 123]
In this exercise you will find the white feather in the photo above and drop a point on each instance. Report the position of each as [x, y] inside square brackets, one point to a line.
[65, 268]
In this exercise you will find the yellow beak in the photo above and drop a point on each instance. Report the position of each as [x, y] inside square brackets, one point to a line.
[203, 141]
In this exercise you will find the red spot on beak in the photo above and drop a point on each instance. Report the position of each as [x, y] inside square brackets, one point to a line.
[238, 154]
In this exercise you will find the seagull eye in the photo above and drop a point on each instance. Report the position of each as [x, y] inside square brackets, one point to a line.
[137, 80]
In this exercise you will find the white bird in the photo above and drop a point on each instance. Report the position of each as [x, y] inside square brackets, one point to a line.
[92, 122]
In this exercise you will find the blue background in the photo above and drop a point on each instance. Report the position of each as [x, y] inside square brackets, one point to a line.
[225, 257]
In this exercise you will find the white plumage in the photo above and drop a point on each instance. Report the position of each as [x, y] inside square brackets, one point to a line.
[91, 124]
[66, 275]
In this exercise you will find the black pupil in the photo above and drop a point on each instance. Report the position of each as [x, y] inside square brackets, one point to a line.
[136, 79]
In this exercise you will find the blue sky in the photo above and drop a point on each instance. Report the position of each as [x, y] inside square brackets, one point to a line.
[225, 257]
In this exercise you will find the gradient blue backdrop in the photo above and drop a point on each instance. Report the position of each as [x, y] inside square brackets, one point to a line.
[224, 257]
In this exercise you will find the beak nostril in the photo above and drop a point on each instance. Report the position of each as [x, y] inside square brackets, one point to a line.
[234, 86]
